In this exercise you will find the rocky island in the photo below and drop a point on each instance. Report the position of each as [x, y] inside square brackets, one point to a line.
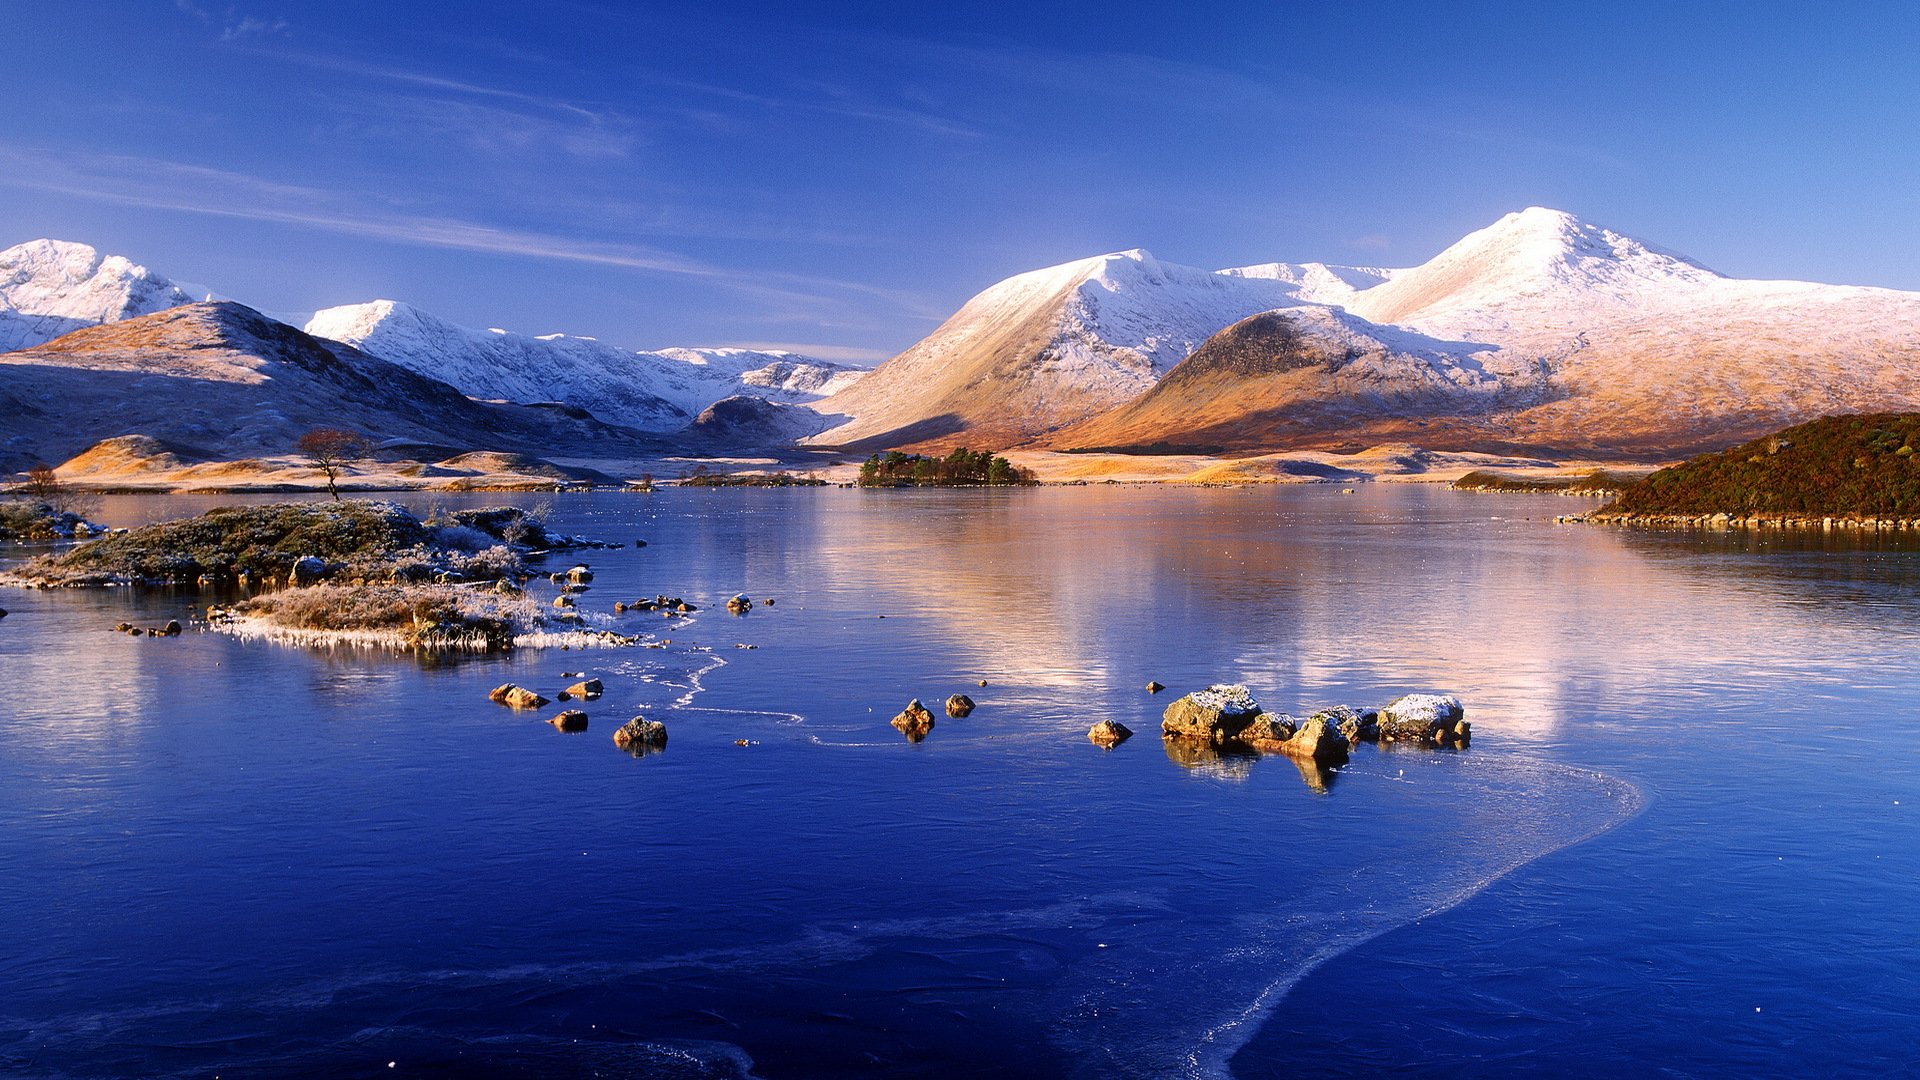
[343, 572]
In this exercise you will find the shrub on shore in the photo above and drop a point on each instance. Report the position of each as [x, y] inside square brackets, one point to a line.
[1857, 465]
[1593, 482]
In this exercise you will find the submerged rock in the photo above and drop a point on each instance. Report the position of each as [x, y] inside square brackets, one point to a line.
[1109, 733]
[172, 629]
[571, 720]
[914, 721]
[740, 604]
[515, 696]
[641, 734]
[1154, 687]
[1213, 715]
[564, 601]
[959, 705]
[579, 575]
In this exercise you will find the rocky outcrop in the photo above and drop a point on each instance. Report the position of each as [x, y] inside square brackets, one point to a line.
[1109, 733]
[914, 721]
[641, 735]
[1213, 715]
[959, 705]
[514, 696]
[1227, 719]
[306, 570]
[1437, 719]
[1358, 725]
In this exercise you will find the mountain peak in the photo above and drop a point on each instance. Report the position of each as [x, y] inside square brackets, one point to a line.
[1530, 254]
[52, 287]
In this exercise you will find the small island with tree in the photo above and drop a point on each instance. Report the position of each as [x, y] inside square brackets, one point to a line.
[961, 468]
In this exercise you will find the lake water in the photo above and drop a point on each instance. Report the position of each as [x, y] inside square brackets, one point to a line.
[1683, 841]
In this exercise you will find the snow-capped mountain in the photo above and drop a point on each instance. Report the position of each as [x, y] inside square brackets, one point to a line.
[51, 287]
[1049, 347]
[650, 391]
[229, 382]
[1539, 332]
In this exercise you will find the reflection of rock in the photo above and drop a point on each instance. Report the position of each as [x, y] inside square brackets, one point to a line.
[1109, 733]
[1212, 715]
[914, 721]
[1316, 776]
[570, 721]
[959, 705]
[516, 697]
[1227, 761]
[641, 735]
[1428, 718]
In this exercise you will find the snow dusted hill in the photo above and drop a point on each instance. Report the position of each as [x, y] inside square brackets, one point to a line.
[1049, 347]
[1540, 332]
[228, 381]
[50, 287]
[650, 391]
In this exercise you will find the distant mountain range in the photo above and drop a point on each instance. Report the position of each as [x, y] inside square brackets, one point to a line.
[1540, 334]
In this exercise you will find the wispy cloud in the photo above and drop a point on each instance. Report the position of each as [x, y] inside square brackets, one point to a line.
[169, 185]
[232, 24]
[159, 184]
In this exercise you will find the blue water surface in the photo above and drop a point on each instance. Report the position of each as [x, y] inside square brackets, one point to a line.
[1682, 838]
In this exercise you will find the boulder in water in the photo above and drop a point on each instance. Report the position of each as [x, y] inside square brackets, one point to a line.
[570, 721]
[515, 696]
[1422, 718]
[1215, 714]
[914, 721]
[959, 705]
[1109, 733]
[586, 691]
[641, 734]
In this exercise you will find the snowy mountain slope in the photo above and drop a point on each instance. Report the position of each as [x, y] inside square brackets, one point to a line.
[1313, 369]
[232, 382]
[1047, 348]
[50, 287]
[650, 391]
[1554, 335]
[1318, 283]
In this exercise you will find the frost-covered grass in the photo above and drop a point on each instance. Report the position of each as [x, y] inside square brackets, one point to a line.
[408, 617]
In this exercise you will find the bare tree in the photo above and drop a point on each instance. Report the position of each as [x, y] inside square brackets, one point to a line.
[330, 449]
[44, 485]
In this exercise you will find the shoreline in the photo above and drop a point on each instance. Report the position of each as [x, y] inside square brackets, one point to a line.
[1723, 522]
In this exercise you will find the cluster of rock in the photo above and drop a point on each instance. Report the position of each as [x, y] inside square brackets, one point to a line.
[916, 720]
[1228, 717]
[668, 606]
[171, 629]
[637, 736]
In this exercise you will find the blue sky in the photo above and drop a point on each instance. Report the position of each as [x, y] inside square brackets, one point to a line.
[838, 179]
